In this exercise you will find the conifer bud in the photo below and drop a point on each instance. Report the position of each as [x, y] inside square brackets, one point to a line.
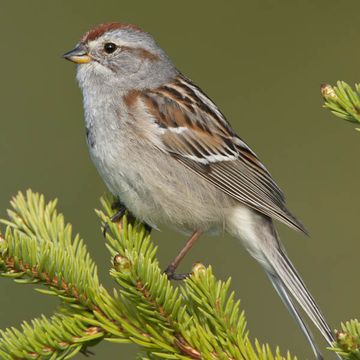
[327, 92]
[121, 263]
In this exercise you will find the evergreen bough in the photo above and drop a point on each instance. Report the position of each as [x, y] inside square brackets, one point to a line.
[199, 319]
[344, 102]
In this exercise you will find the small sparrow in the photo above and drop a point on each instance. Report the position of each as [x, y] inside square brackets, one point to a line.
[165, 149]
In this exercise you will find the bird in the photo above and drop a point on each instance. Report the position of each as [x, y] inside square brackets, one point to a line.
[164, 148]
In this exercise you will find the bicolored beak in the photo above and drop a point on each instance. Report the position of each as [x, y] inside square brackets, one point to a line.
[79, 55]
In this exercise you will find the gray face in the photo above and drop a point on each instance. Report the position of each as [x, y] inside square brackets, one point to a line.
[123, 59]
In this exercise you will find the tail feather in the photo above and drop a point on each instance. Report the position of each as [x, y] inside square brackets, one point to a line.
[279, 287]
[259, 236]
[296, 287]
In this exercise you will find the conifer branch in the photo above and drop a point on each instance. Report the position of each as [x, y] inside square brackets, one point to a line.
[342, 101]
[348, 340]
[197, 320]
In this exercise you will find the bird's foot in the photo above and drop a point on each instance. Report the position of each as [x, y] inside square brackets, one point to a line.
[171, 275]
[116, 217]
[148, 228]
[87, 352]
[121, 209]
[117, 205]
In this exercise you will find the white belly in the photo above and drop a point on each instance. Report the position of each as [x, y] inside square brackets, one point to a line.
[118, 168]
[155, 187]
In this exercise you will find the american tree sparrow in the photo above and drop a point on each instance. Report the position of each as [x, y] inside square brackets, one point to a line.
[164, 148]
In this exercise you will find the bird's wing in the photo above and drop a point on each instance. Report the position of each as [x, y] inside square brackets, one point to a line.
[194, 131]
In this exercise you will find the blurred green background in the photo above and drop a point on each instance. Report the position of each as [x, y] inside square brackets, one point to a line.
[263, 63]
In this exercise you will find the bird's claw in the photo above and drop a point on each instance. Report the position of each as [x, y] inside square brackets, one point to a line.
[121, 209]
[115, 218]
[171, 275]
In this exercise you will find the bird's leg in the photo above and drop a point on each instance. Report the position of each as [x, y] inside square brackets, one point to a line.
[170, 270]
[117, 204]
[120, 207]
[87, 352]
[148, 227]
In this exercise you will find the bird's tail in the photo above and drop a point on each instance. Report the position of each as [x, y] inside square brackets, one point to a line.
[291, 289]
[279, 287]
[260, 238]
[286, 278]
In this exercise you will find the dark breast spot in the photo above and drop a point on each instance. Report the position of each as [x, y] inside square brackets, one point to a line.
[90, 136]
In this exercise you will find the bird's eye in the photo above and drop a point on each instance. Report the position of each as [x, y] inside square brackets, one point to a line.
[110, 48]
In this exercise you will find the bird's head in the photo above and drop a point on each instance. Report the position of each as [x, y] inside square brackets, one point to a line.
[120, 55]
